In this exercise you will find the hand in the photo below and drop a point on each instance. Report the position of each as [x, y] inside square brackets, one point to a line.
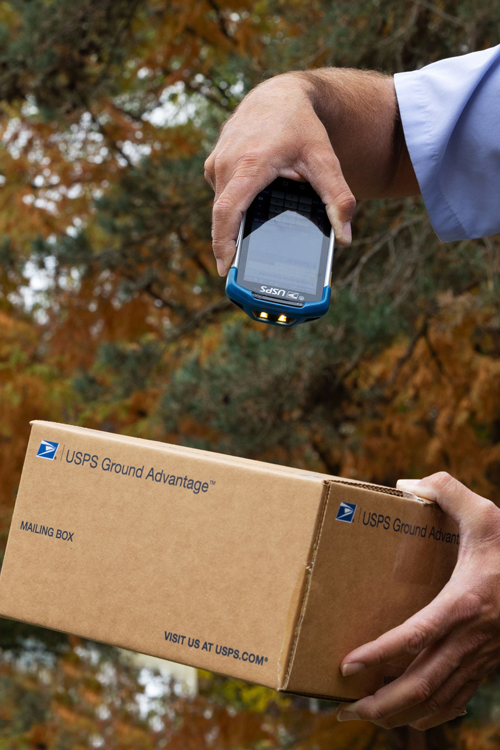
[455, 639]
[274, 132]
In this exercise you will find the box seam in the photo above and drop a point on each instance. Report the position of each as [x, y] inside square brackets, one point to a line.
[309, 570]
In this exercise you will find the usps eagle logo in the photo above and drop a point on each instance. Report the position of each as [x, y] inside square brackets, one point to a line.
[346, 512]
[47, 449]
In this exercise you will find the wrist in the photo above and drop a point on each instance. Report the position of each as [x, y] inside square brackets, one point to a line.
[286, 93]
[324, 89]
[305, 86]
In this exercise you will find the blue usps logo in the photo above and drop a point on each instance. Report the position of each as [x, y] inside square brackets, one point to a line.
[346, 512]
[47, 449]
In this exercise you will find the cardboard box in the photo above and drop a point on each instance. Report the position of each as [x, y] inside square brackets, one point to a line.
[253, 570]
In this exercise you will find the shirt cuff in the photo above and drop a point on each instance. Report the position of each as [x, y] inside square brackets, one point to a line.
[421, 141]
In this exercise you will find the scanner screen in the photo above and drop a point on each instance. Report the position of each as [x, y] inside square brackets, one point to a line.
[285, 252]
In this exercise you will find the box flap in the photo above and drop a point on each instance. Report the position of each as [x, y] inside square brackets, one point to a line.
[378, 560]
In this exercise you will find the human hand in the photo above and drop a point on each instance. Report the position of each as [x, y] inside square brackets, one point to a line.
[274, 132]
[455, 639]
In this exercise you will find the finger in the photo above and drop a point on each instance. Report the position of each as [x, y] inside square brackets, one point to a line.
[427, 626]
[451, 495]
[429, 685]
[432, 712]
[389, 709]
[229, 206]
[421, 680]
[455, 708]
[322, 169]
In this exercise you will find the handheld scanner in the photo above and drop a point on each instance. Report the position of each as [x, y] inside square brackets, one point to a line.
[284, 252]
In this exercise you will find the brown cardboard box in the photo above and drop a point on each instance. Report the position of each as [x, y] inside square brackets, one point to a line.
[253, 570]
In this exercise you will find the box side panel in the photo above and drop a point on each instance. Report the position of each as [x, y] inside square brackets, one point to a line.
[380, 559]
[165, 553]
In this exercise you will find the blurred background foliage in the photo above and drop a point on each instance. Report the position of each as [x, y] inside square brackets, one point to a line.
[112, 316]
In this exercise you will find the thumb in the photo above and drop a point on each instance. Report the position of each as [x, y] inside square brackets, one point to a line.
[452, 496]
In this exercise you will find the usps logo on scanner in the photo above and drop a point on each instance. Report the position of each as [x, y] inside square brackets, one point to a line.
[47, 449]
[346, 512]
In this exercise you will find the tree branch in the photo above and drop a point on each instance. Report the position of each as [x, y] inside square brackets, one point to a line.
[421, 331]
[439, 12]
[435, 356]
[222, 21]
[215, 308]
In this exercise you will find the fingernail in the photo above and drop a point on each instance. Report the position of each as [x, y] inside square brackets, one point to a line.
[352, 667]
[411, 485]
[221, 267]
[347, 232]
[463, 713]
[347, 715]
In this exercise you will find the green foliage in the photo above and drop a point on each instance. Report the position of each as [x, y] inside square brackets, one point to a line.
[149, 227]
[62, 53]
[134, 363]
[241, 695]
[18, 638]
[263, 388]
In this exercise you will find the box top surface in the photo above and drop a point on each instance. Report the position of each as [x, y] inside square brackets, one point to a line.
[250, 464]
[259, 466]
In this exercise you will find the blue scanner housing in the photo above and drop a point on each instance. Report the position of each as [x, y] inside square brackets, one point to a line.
[284, 252]
[244, 299]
